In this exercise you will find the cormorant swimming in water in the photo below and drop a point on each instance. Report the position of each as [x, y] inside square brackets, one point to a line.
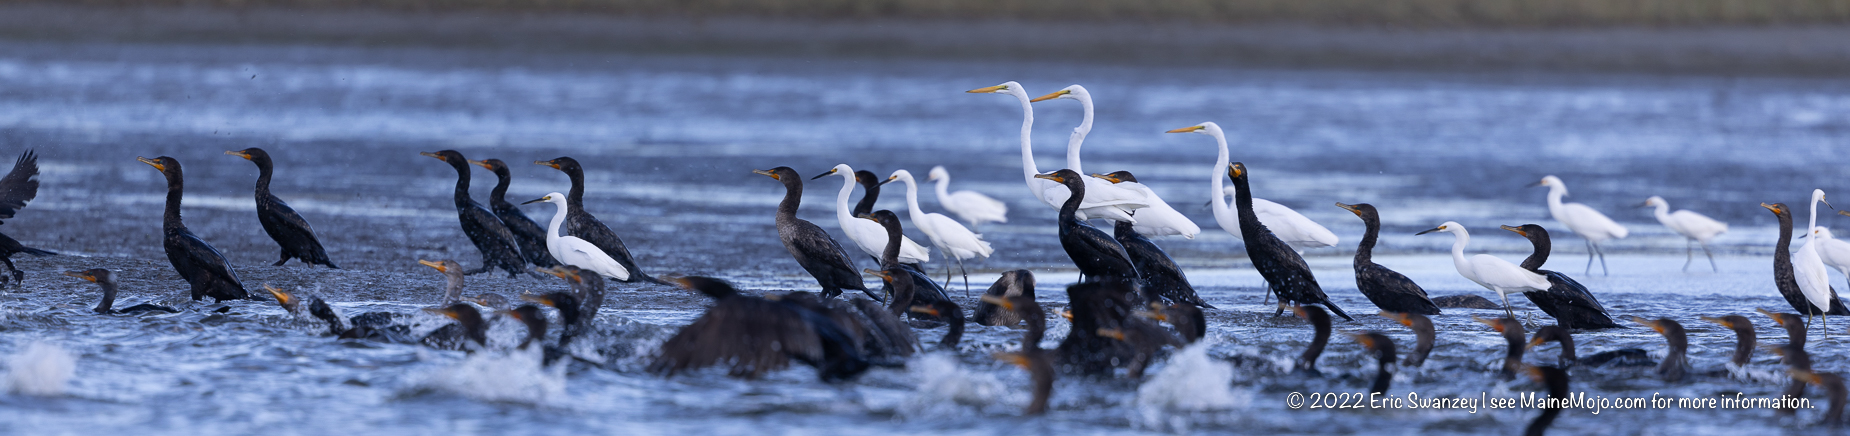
[107, 280]
[818, 253]
[490, 236]
[1320, 323]
[1097, 255]
[1106, 334]
[1423, 333]
[1566, 300]
[1389, 290]
[452, 278]
[280, 221]
[1013, 283]
[877, 333]
[952, 315]
[1031, 357]
[871, 183]
[370, 325]
[19, 187]
[1833, 385]
[196, 261]
[1513, 334]
[1556, 381]
[1187, 319]
[1383, 350]
[572, 321]
[756, 336]
[580, 223]
[530, 235]
[1744, 338]
[1567, 358]
[469, 327]
[1284, 270]
[1675, 364]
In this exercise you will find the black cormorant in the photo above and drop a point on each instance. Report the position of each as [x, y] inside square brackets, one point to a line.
[1568, 357]
[452, 278]
[1388, 289]
[572, 321]
[1161, 276]
[1566, 300]
[469, 327]
[1012, 283]
[755, 336]
[1675, 363]
[885, 340]
[1793, 353]
[1744, 335]
[497, 244]
[107, 280]
[1383, 350]
[530, 235]
[587, 287]
[923, 290]
[1097, 254]
[196, 261]
[870, 183]
[1555, 379]
[1031, 357]
[1187, 319]
[818, 253]
[1783, 277]
[19, 187]
[951, 314]
[378, 326]
[286, 227]
[1320, 325]
[1833, 385]
[580, 223]
[1284, 270]
[1513, 334]
[1423, 333]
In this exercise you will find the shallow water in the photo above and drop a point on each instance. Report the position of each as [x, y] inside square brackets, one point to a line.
[668, 142]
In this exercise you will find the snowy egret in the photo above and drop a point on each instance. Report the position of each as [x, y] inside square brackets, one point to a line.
[952, 239]
[1491, 272]
[1835, 253]
[1097, 254]
[867, 235]
[490, 236]
[1288, 225]
[1566, 300]
[1693, 226]
[196, 261]
[586, 226]
[1582, 220]
[1105, 204]
[975, 208]
[1158, 219]
[575, 251]
[818, 253]
[1785, 276]
[1284, 270]
[1814, 280]
[1389, 290]
[532, 236]
[281, 222]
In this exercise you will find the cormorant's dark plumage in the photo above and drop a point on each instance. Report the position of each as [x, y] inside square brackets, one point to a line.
[1513, 334]
[281, 222]
[952, 315]
[580, 223]
[1382, 348]
[1423, 333]
[922, 291]
[531, 236]
[196, 261]
[1012, 283]
[1161, 276]
[1783, 277]
[469, 327]
[756, 336]
[1556, 381]
[452, 278]
[1566, 300]
[1284, 270]
[1743, 334]
[588, 289]
[535, 322]
[1104, 306]
[885, 339]
[812, 247]
[107, 281]
[1320, 323]
[1037, 361]
[1389, 290]
[19, 187]
[871, 183]
[1187, 319]
[490, 236]
[1096, 253]
[1675, 363]
[572, 321]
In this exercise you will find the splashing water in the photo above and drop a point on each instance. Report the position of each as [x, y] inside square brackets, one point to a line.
[1189, 383]
[515, 377]
[948, 388]
[43, 369]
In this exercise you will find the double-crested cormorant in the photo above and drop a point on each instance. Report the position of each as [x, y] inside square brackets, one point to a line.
[923, 291]
[1287, 225]
[1744, 338]
[490, 300]
[1423, 336]
[1284, 270]
[756, 336]
[1187, 319]
[378, 326]
[452, 278]
[1031, 357]
[469, 327]
[1833, 385]
[19, 187]
[531, 236]
[1100, 206]
[1158, 219]
[490, 236]
[1556, 381]
[1567, 359]
[870, 186]
[812, 247]
[280, 221]
[973, 207]
[1793, 354]
[1675, 364]
[1097, 254]
[1012, 284]
[1566, 300]
[1161, 276]
[1489, 271]
[530, 316]
[1383, 350]
[1513, 334]
[1694, 227]
[580, 223]
[572, 320]
[885, 341]
[953, 240]
[869, 237]
[952, 315]
[575, 251]
[1583, 221]
[196, 261]
[588, 289]
[107, 280]
[1389, 290]
[1106, 333]
[1783, 276]
[1557, 334]
[1320, 323]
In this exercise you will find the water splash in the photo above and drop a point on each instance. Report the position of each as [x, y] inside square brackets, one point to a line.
[947, 389]
[42, 369]
[1190, 383]
[517, 376]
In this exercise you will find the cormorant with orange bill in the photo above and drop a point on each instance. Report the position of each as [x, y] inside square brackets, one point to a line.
[280, 221]
[580, 223]
[1096, 253]
[756, 336]
[1566, 300]
[1284, 270]
[1833, 385]
[469, 328]
[1382, 348]
[1744, 339]
[1389, 290]
[490, 236]
[812, 247]
[1031, 357]
[921, 290]
[1320, 325]
[107, 281]
[1793, 353]
[1556, 380]
[530, 235]
[201, 265]
[1161, 276]
[1103, 305]
[1423, 333]
[951, 314]
[1675, 363]
[1187, 319]
[1783, 276]
[452, 278]
[379, 326]
[1567, 358]
[1513, 334]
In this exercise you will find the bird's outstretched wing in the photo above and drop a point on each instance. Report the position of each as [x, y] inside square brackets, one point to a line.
[20, 186]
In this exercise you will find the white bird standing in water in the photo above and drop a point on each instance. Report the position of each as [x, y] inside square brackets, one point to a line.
[1168, 225]
[975, 208]
[1694, 227]
[571, 250]
[951, 238]
[1834, 253]
[1290, 226]
[1595, 227]
[1491, 272]
[1159, 219]
[1113, 204]
[867, 235]
[1814, 280]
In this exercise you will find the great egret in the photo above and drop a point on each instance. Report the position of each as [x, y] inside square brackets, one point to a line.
[1835, 253]
[1288, 225]
[975, 208]
[818, 253]
[1389, 290]
[1104, 205]
[867, 235]
[1097, 188]
[1491, 272]
[1159, 219]
[1582, 220]
[1814, 280]
[1284, 270]
[575, 251]
[1693, 226]
[951, 238]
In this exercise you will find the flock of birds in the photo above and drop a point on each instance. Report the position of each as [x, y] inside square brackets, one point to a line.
[1129, 286]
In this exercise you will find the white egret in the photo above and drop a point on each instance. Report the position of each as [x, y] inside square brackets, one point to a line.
[1491, 272]
[1582, 220]
[952, 239]
[571, 250]
[1290, 226]
[975, 208]
[866, 234]
[1814, 280]
[1098, 187]
[1054, 195]
[1834, 253]
[1694, 227]
[1157, 220]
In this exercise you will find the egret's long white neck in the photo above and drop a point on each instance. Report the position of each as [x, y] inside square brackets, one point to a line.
[944, 189]
[1459, 239]
[1663, 211]
[912, 200]
[1218, 179]
[1028, 169]
[1555, 192]
[1079, 135]
[841, 199]
[558, 217]
[1814, 215]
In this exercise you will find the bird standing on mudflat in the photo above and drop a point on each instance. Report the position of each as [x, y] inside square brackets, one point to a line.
[1389, 290]
[1695, 227]
[279, 220]
[1284, 270]
[580, 223]
[201, 265]
[1595, 227]
[490, 236]
[812, 247]
[531, 236]
[1161, 276]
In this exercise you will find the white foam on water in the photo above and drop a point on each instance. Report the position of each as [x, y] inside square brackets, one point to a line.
[41, 369]
[948, 389]
[1189, 383]
[516, 376]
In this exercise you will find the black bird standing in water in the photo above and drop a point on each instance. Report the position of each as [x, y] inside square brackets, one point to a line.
[1284, 270]
[280, 221]
[1566, 300]
[19, 187]
[1097, 254]
[818, 253]
[196, 261]
[1389, 290]
[531, 236]
[499, 250]
[580, 223]
[922, 291]
[1161, 276]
